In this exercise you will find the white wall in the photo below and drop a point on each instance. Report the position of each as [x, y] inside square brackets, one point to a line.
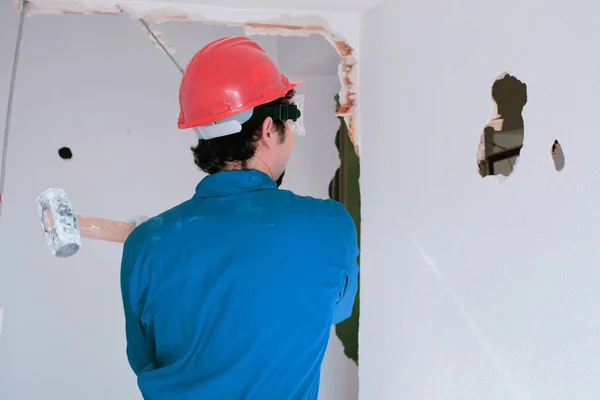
[471, 288]
[97, 85]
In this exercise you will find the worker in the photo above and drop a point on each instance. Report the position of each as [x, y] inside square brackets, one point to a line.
[231, 294]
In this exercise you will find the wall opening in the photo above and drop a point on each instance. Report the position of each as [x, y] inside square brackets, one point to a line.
[345, 188]
[558, 156]
[502, 139]
[65, 153]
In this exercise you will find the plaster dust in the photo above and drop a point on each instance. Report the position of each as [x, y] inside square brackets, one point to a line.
[62, 232]
[157, 37]
[339, 28]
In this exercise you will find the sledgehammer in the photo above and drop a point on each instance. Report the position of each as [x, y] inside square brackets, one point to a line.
[63, 228]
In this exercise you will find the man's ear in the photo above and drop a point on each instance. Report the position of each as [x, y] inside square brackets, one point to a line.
[268, 134]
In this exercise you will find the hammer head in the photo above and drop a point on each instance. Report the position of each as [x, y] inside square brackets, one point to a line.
[59, 223]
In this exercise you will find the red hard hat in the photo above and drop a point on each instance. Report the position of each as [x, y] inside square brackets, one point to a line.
[226, 77]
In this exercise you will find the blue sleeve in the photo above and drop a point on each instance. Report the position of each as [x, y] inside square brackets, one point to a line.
[349, 284]
[140, 349]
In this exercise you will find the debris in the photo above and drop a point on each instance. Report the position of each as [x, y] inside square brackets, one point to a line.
[158, 37]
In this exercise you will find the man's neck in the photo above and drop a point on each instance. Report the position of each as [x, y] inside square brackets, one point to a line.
[254, 163]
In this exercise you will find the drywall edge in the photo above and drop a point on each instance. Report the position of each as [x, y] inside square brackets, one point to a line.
[341, 29]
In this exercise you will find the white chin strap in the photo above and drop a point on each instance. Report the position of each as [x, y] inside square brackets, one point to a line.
[233, 124]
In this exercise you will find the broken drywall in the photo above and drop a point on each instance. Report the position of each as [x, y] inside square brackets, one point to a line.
[502, 139]
[558, 156]
[346, 71]
[345, 188]
[157, 37]
[339, 28]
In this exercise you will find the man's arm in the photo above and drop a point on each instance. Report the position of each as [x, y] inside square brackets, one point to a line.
[140, 351]
[343, 308]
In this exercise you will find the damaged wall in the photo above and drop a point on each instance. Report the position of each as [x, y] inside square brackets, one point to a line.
[81, 86]
[474, 288]
[336, 24]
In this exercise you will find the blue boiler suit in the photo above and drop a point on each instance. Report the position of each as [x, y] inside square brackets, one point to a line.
[231, 295]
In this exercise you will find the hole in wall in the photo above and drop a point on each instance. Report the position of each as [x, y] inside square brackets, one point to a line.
[344, 187]
[65, 153]
[502, 139]
[558, 156]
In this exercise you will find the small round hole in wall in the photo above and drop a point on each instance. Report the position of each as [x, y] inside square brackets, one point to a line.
[65, 153]
[558, 156]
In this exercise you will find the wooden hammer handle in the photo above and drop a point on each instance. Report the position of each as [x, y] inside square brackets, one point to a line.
[104, 229]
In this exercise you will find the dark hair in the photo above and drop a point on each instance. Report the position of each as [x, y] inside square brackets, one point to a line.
[211, 156]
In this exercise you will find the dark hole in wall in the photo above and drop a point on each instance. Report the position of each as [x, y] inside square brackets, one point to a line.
[344, 188]
[558, 156]
[502, 138]
[65, 153]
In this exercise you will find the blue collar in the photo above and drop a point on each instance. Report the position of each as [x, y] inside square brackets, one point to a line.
[230, 182]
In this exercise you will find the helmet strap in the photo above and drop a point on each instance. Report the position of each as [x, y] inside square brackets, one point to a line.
[281, 112]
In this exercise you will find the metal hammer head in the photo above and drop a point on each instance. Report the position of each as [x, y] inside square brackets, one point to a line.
[59, 223]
